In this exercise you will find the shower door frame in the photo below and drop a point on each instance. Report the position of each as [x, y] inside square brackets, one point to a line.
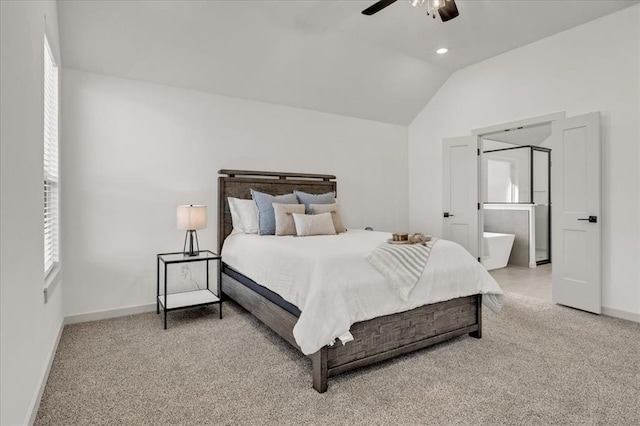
[531, 201]
[548, 151]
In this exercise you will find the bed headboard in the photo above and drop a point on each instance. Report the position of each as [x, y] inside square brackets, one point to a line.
[238, 184]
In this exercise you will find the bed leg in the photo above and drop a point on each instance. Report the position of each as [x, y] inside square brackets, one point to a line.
[478, 333]
[319, 361]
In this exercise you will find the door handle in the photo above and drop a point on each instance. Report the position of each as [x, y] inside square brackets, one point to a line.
[591, 219]
[447, 214]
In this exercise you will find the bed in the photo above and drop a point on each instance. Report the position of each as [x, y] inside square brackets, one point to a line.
[374, 339]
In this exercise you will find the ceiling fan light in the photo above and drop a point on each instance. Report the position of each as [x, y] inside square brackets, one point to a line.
[442, 51]
[416, 3]
[433, 6]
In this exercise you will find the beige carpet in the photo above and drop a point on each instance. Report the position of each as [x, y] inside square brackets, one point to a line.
[537, 364]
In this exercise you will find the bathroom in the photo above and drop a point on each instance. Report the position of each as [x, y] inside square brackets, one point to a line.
[516, 167]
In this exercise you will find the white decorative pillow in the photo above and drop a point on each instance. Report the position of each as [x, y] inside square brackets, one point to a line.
[244, 215]
[315, 224]
[335, 214]
[284, 219]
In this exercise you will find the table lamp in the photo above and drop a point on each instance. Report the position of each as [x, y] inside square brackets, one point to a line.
[191, 218]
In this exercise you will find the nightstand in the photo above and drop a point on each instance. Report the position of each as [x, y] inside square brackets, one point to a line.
[186, 299]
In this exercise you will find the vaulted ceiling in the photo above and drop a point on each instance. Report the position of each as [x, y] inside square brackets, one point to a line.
[319, 55]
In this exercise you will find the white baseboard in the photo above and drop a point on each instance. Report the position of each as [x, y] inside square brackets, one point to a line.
[617, 313]
[35, 404]
[112, 313]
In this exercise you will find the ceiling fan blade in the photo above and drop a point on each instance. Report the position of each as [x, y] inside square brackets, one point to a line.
[448, 11]
[377, 7]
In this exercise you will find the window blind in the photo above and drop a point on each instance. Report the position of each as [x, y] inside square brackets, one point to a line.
[51, 184]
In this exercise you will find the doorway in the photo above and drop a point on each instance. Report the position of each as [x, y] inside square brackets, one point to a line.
[568, 202]
[515, 175]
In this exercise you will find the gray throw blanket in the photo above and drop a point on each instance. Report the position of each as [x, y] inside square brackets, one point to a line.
[401, 264]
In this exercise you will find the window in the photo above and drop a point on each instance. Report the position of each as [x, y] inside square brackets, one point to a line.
[51, 183]
[501, 185]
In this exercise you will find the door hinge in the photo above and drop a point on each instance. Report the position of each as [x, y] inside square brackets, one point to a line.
[478, 206]
[478, 151]
[479, 260]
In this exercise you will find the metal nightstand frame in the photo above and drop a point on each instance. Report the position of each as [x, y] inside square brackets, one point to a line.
[186, 259]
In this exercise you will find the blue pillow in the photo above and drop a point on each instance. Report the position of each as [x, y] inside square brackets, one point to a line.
[266, 215]
[308, 199]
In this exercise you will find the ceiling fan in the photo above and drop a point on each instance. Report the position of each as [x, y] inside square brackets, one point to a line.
[447, 9]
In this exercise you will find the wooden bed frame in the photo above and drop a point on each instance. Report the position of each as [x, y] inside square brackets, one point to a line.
[374, 340]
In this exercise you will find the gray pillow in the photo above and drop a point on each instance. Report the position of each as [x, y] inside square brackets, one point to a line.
[308, 199]
[266, 216]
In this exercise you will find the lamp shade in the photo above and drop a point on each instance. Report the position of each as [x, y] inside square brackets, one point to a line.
[191, 217]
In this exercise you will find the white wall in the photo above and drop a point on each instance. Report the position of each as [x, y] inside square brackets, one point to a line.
[29, 327]
[593, 67]
[132, 151]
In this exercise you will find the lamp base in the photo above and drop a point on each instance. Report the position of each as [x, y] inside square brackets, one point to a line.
[191, 251]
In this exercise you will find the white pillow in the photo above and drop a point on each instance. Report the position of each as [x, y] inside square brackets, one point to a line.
[244, 216]
[316, 224]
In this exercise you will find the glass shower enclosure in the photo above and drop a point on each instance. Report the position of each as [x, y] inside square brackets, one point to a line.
[521, 175]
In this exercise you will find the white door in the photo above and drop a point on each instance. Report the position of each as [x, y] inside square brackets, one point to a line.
[575, 212]
[460, 192]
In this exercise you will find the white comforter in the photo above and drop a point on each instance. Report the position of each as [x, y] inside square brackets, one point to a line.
[329, 279]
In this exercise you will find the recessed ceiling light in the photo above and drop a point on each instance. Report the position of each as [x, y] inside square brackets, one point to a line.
[442, 51]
